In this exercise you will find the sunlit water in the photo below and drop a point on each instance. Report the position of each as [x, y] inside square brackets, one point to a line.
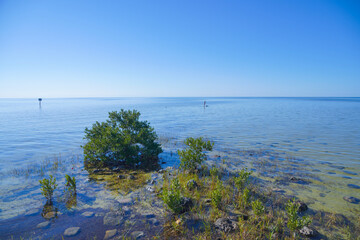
[316, 138]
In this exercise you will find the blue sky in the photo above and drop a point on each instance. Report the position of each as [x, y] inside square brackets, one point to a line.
[179, 48]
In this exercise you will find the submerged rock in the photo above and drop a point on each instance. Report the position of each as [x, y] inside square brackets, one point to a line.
[308, 232]
[351, 199]
[137, 234]
[121, 176]
[72, 231]
[87, 214]
[114, 218]
[226, 225]
[110, 233]
[43, 224]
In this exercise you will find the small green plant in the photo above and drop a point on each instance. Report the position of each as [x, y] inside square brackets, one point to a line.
[257, 207]
[294, 221]
[193, 155]
[48, 187]
[245, 198]
[172, 196]
[217, 194]
[242, 179]
[215, 172]
[70, 183]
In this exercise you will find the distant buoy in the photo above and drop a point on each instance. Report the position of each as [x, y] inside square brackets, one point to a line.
[40, 99]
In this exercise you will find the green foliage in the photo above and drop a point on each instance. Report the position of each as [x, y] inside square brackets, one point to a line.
[70, 183]
[242, 179]
[215, 172]
[48, 187]
[294, 221]
[245, 197]
[172, 196]
[257, 207]
[123, 138]
[217, 194]
[194, 154]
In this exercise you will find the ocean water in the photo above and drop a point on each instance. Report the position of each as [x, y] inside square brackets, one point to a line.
[316, 138]
[315, 129]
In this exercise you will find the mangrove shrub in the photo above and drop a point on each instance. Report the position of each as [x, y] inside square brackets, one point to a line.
[193, 155]
[122, 140]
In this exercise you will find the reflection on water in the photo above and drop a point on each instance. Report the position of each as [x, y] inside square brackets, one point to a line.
[314, 142]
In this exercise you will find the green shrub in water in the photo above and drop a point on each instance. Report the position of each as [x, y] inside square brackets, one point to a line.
[48, 187]
[215, 172]
[122, 139]
[294, 221]
[193, 155]
[70, 183]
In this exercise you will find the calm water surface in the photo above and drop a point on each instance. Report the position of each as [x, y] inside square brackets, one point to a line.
[322, 134]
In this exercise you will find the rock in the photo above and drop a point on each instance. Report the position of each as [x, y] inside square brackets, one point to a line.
[117, 169]
[113, 218]
[153, 221]
[226, 225]
[322, 194]
[125, 201]
[161, 171]
[179, 221]
[32, 212]
[302, 207]
[186, 204]
[131, 177]
[351, 199]
[43, 224]
[50, 215]
[150, 189]
[152, 182]
[87, 214]
[207, 201]
[353, 186]
[110, 233]
[308, 232]
[137, 234]
[192, 184]
[71, 231]
[121, 177]
[96, 171]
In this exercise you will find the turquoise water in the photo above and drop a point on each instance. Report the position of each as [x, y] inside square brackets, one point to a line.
[320, 136]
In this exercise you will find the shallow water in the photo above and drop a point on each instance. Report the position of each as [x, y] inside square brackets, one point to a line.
[311, 138]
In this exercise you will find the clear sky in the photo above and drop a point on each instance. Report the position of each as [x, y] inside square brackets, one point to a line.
[103, 48]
